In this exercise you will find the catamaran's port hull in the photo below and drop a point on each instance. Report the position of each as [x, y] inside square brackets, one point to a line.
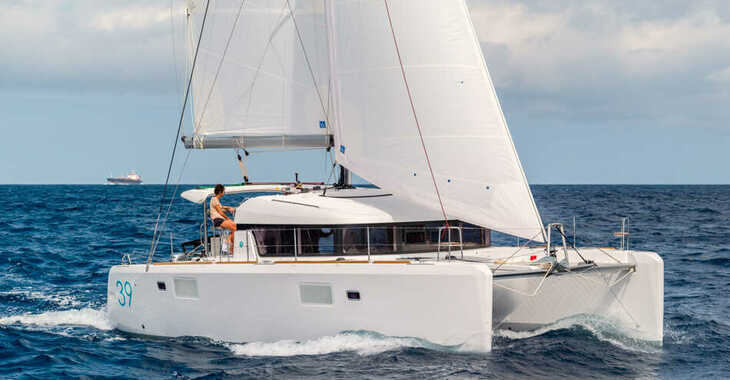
[446, 302]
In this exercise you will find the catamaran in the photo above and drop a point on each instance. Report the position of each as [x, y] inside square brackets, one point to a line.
[398, 91]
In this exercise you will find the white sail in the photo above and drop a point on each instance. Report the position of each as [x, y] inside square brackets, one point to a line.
[476, 168]
[252, 77]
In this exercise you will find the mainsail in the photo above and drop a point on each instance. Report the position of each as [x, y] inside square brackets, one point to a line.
[474, 161]
[252, 79]
[263, 74]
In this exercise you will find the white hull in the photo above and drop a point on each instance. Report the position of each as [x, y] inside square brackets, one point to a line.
[445, 302]
[629, 296]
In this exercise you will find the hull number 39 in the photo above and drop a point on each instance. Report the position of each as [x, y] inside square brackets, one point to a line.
[125, 293]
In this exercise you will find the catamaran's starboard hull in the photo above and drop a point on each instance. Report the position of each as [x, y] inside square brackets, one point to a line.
[628, 296]
[447, 304]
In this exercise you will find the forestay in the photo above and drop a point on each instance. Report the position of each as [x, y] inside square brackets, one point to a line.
[251, 76]
[476, 167]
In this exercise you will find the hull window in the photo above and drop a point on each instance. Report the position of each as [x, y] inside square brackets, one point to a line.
[353, 295]
[315, 294]
[186, 288]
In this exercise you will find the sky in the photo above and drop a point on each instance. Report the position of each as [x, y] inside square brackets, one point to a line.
[609, 92]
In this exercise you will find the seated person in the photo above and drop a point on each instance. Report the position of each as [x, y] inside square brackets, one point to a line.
[219, 216]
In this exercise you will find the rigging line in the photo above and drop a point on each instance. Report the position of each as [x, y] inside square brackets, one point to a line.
[574, 248]
[413, 109]
[515, 253]
[177, 135]
[609, 255]
[330, 85]
[174, 51]
[332, 171]
[325, 163]
[172, 198]
[220, 64]
[309, 65]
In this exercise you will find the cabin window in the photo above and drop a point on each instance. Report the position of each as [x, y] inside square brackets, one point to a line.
[397, 238]
[354, 241]
[317, 241]
[381, 240]
[475, 237]
[417, 238]
[275, 241]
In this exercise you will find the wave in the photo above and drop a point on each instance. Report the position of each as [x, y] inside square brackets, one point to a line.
[706, 210]
[76, 317]
[720, 261]
[362, 343]
[598, 327]
[62, 300]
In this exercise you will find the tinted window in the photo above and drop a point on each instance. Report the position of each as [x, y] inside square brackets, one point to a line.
[275, 242]
[317, 241]
[384, 239]
[354, 241]
[381, 240]
[475, 236]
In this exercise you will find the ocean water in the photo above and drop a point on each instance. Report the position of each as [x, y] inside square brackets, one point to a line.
[57, 243]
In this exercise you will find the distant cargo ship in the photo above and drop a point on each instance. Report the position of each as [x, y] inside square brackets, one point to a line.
[131, 179]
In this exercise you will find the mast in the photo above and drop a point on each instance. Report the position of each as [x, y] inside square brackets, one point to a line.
[345, 179]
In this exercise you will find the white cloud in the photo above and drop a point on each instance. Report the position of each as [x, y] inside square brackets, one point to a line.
[611, 59]
[720, 76]
[110, 45]
[131, 17]
[543, 46]
[663, 46]
[565, 57]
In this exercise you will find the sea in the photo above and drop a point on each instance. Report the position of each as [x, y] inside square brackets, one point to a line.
[58, 242]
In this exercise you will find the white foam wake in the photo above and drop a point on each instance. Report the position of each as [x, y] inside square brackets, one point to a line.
[79, 317]
[600, 328]
[59, 299]
[360, 343]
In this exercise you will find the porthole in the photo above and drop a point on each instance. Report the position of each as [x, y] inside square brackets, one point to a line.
[353, 295]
